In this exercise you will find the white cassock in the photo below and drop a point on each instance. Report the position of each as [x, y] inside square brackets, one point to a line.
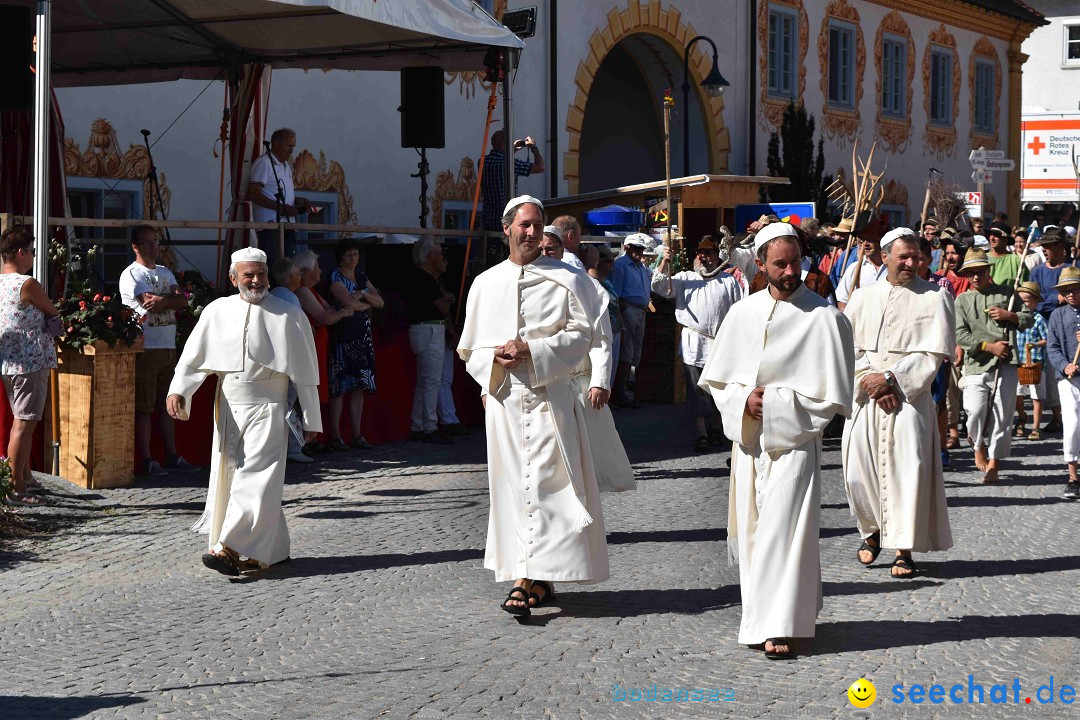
[800, 352]
[255, 349]
[545, 521]
[701, 304]
[613, 470]
[892, 461]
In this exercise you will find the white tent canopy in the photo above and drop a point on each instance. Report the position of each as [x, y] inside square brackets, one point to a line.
[106, 42]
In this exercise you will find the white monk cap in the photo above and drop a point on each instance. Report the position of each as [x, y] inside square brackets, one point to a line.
[640, 240]
[981, 242]
[552, 230]
[521, 200]
[894, 235]
[249, 254]
[1069, 230]
[773, 231]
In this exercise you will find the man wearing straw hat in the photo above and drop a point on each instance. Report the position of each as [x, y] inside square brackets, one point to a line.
[987, 319]
[774, 412]
[903, 330]
[1063, 353]
[256, 343]
[528, 327]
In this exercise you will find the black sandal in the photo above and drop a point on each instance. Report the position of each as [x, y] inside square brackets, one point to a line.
[517, 593]
[902, 561]
[874, 551]
[716, 438]
[222, 561]
[774, 655]
[702, 444]
[549, 594]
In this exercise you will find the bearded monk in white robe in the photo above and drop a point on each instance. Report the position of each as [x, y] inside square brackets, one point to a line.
[528, 327]
[255, 343]
[780, 368]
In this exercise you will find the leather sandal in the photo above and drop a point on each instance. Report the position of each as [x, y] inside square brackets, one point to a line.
[774, 655]
[223, 561]
[517, 593]
[903, 561]
[872, 549]
[549, 594]
[702, 444]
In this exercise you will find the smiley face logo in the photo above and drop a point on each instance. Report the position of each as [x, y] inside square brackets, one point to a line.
[862, 693]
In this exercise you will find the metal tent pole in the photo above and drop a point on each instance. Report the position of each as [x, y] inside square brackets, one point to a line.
[42, 99]
[508, 124]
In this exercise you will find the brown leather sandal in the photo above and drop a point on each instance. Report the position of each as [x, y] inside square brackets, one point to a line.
[224, 561]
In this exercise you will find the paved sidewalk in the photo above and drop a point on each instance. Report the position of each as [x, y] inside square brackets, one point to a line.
[385, 610]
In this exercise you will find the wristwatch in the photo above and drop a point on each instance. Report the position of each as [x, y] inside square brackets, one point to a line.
[890, 379]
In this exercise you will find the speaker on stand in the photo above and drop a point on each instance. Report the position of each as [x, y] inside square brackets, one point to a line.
[423, 120]
[16, 57]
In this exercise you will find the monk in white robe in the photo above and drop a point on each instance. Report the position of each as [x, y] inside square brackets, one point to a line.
[592, 379]
[528, 327]
[255, 343]
[780, 369]
[904, 329]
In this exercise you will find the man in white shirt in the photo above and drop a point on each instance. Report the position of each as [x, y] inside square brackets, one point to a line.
[152, 292]
[271, 193]
[870, 270]
[571, 239]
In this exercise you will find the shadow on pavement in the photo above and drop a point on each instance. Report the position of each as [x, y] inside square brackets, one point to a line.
[60, 708]
[632, 603]
[863, 635]
[644, 536]
[982, 568]
[343, 564]
[982, 501]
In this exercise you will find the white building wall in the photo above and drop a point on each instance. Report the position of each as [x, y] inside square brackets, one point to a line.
[1051, 82]
[910, 167]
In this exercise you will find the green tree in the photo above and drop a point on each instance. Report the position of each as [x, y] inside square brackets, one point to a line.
[791, 155]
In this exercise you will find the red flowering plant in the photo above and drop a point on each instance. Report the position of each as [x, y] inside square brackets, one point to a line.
[199, 292]
[89, 316]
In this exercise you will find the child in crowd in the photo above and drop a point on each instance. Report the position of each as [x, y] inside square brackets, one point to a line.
[1035, 337]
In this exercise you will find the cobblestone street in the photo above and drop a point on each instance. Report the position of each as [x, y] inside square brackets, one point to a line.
[385, 610]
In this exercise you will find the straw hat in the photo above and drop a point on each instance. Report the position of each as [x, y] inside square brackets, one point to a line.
[844, 226]
[1031, 288]
[974, 260]
[1069, 276]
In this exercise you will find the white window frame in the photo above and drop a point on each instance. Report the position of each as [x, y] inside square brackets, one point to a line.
[328, 201]
[777, 70]
[941, 85]
[897, 215]
[844, 63]
[894, 76]
[1065, 42]
[117, 256]
[985, 78]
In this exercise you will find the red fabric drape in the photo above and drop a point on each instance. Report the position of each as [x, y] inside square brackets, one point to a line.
[248, 104]
[16, 197]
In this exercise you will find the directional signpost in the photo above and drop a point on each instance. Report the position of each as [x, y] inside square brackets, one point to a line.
[983, 164]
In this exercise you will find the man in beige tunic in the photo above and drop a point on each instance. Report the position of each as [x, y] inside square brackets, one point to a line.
[528, 327]
[775, 405]
[255, 343]
[904, 328]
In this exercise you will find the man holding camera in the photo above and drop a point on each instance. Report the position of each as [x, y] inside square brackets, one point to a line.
[493, 183]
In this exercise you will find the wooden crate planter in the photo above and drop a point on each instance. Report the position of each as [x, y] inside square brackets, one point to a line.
[97, 414]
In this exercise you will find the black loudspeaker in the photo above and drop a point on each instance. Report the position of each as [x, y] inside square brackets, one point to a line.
[16, 57]
[423, 114]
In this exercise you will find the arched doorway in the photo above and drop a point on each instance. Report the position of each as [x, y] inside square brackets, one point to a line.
[615, 121]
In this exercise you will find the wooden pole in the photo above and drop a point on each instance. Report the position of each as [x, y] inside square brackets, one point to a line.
[669, 103]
